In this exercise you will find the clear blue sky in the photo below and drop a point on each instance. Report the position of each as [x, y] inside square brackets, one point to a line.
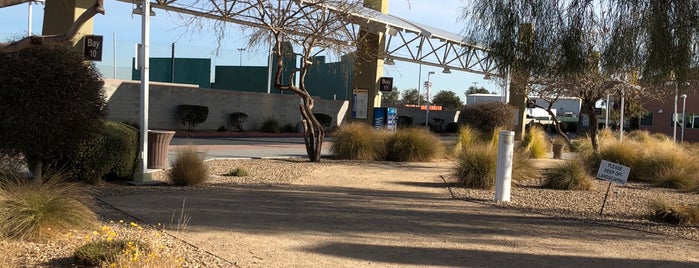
[166, 28]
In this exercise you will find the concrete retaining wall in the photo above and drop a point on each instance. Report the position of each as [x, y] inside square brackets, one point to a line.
[123, 102]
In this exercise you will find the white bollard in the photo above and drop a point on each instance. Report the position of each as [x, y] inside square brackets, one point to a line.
[503, 174]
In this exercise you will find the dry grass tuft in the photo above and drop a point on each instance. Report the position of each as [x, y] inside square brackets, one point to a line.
[536, 143]
[357, 141]
[569, 175]
[188, 169]
[42, 210]
[674, 213]
[413, 145]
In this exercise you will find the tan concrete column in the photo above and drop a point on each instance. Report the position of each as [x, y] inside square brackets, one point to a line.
[519, 83]
[368, 67]
[59, 16]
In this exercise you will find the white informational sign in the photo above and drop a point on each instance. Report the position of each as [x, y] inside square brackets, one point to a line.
[613, 172]
[361, 102]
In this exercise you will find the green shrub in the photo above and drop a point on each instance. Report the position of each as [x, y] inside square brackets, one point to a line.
[487, 116]
[324, 120]
[238, 172]
[569, 175]
[188, 168]
[675, 214]
[51, 100]
[358, 141]
[536, 143]
[99, 252]
[412, 145]
[42, 210]
[288, 128]
[476, 166]
[238, 119]
[404, 121]
[192, 115]
[270, 125]
[112, 151]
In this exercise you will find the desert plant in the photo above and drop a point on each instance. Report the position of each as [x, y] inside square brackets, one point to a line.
[412, 145]
[237, 172]
[487, 116]
[238, 119]
[42, 209]
[188, 168]
[569, 175]
[675, 213]
[270, 125]
[358, 141]
[52, 99]
[623, 153]
[535, 143]
[324, 120]
[192, 115]
[99, 252]
[112, 150]
[476, 166]
[667, 164]
[467, 137]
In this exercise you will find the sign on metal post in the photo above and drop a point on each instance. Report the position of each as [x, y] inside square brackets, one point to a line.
[92, 47]
[612, 172]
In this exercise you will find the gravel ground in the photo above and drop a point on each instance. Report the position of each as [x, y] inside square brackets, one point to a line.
[627, 207]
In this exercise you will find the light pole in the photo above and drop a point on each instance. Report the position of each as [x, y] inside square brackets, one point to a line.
[419, 75]
[684, 105]
[428, 85]
[674, 115]
[240, 51]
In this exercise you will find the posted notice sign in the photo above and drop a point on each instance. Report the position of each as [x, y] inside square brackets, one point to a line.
[613, 172]
[92, 48]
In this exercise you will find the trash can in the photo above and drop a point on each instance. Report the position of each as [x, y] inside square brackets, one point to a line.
[158, 142]
[558, 150]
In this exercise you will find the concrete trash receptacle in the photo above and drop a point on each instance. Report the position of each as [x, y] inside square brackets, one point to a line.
[558, 150]
[158, 142]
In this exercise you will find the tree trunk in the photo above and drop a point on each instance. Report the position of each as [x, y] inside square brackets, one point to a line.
[592, 126]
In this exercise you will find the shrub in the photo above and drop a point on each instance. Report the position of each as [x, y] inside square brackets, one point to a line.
[623, 153]
[404, 121]
[667, 165]
[52, 99]
[112, 151]
[535, 143]
[270, 125]
[675, 214]
[192, 115]
[99, 252]
[288, 128]
[238, 119]
[412, 145]
[476, 166]
[188, 168]
[487, 116]
[358, 141]
[569, 175]
[42, 210]
[452, 127]
[237, 172]
[324, 120]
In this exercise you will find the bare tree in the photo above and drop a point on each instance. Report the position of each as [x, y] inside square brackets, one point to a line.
[68, 37]
[313, 26]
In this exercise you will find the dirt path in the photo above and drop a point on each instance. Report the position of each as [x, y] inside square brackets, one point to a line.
[374, 215]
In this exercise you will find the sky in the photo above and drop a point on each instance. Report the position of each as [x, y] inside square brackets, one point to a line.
[122, 30]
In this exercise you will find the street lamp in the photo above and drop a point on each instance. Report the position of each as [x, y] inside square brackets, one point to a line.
[240, 50]
[684, 105]
[428, 85]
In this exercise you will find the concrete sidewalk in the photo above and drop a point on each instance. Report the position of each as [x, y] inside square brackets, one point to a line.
[373, 215]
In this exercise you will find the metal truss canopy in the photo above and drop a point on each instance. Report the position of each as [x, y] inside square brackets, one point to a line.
[404, 40]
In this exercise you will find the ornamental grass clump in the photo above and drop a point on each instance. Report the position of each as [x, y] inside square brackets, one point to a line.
[41, 210]
[358, 141]
[535, 143]
[467, 137]
[413, 145]
[237, 172]
[678, 214]
[667, 164]
[188, 168]
[569, 175]
[476, 166]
